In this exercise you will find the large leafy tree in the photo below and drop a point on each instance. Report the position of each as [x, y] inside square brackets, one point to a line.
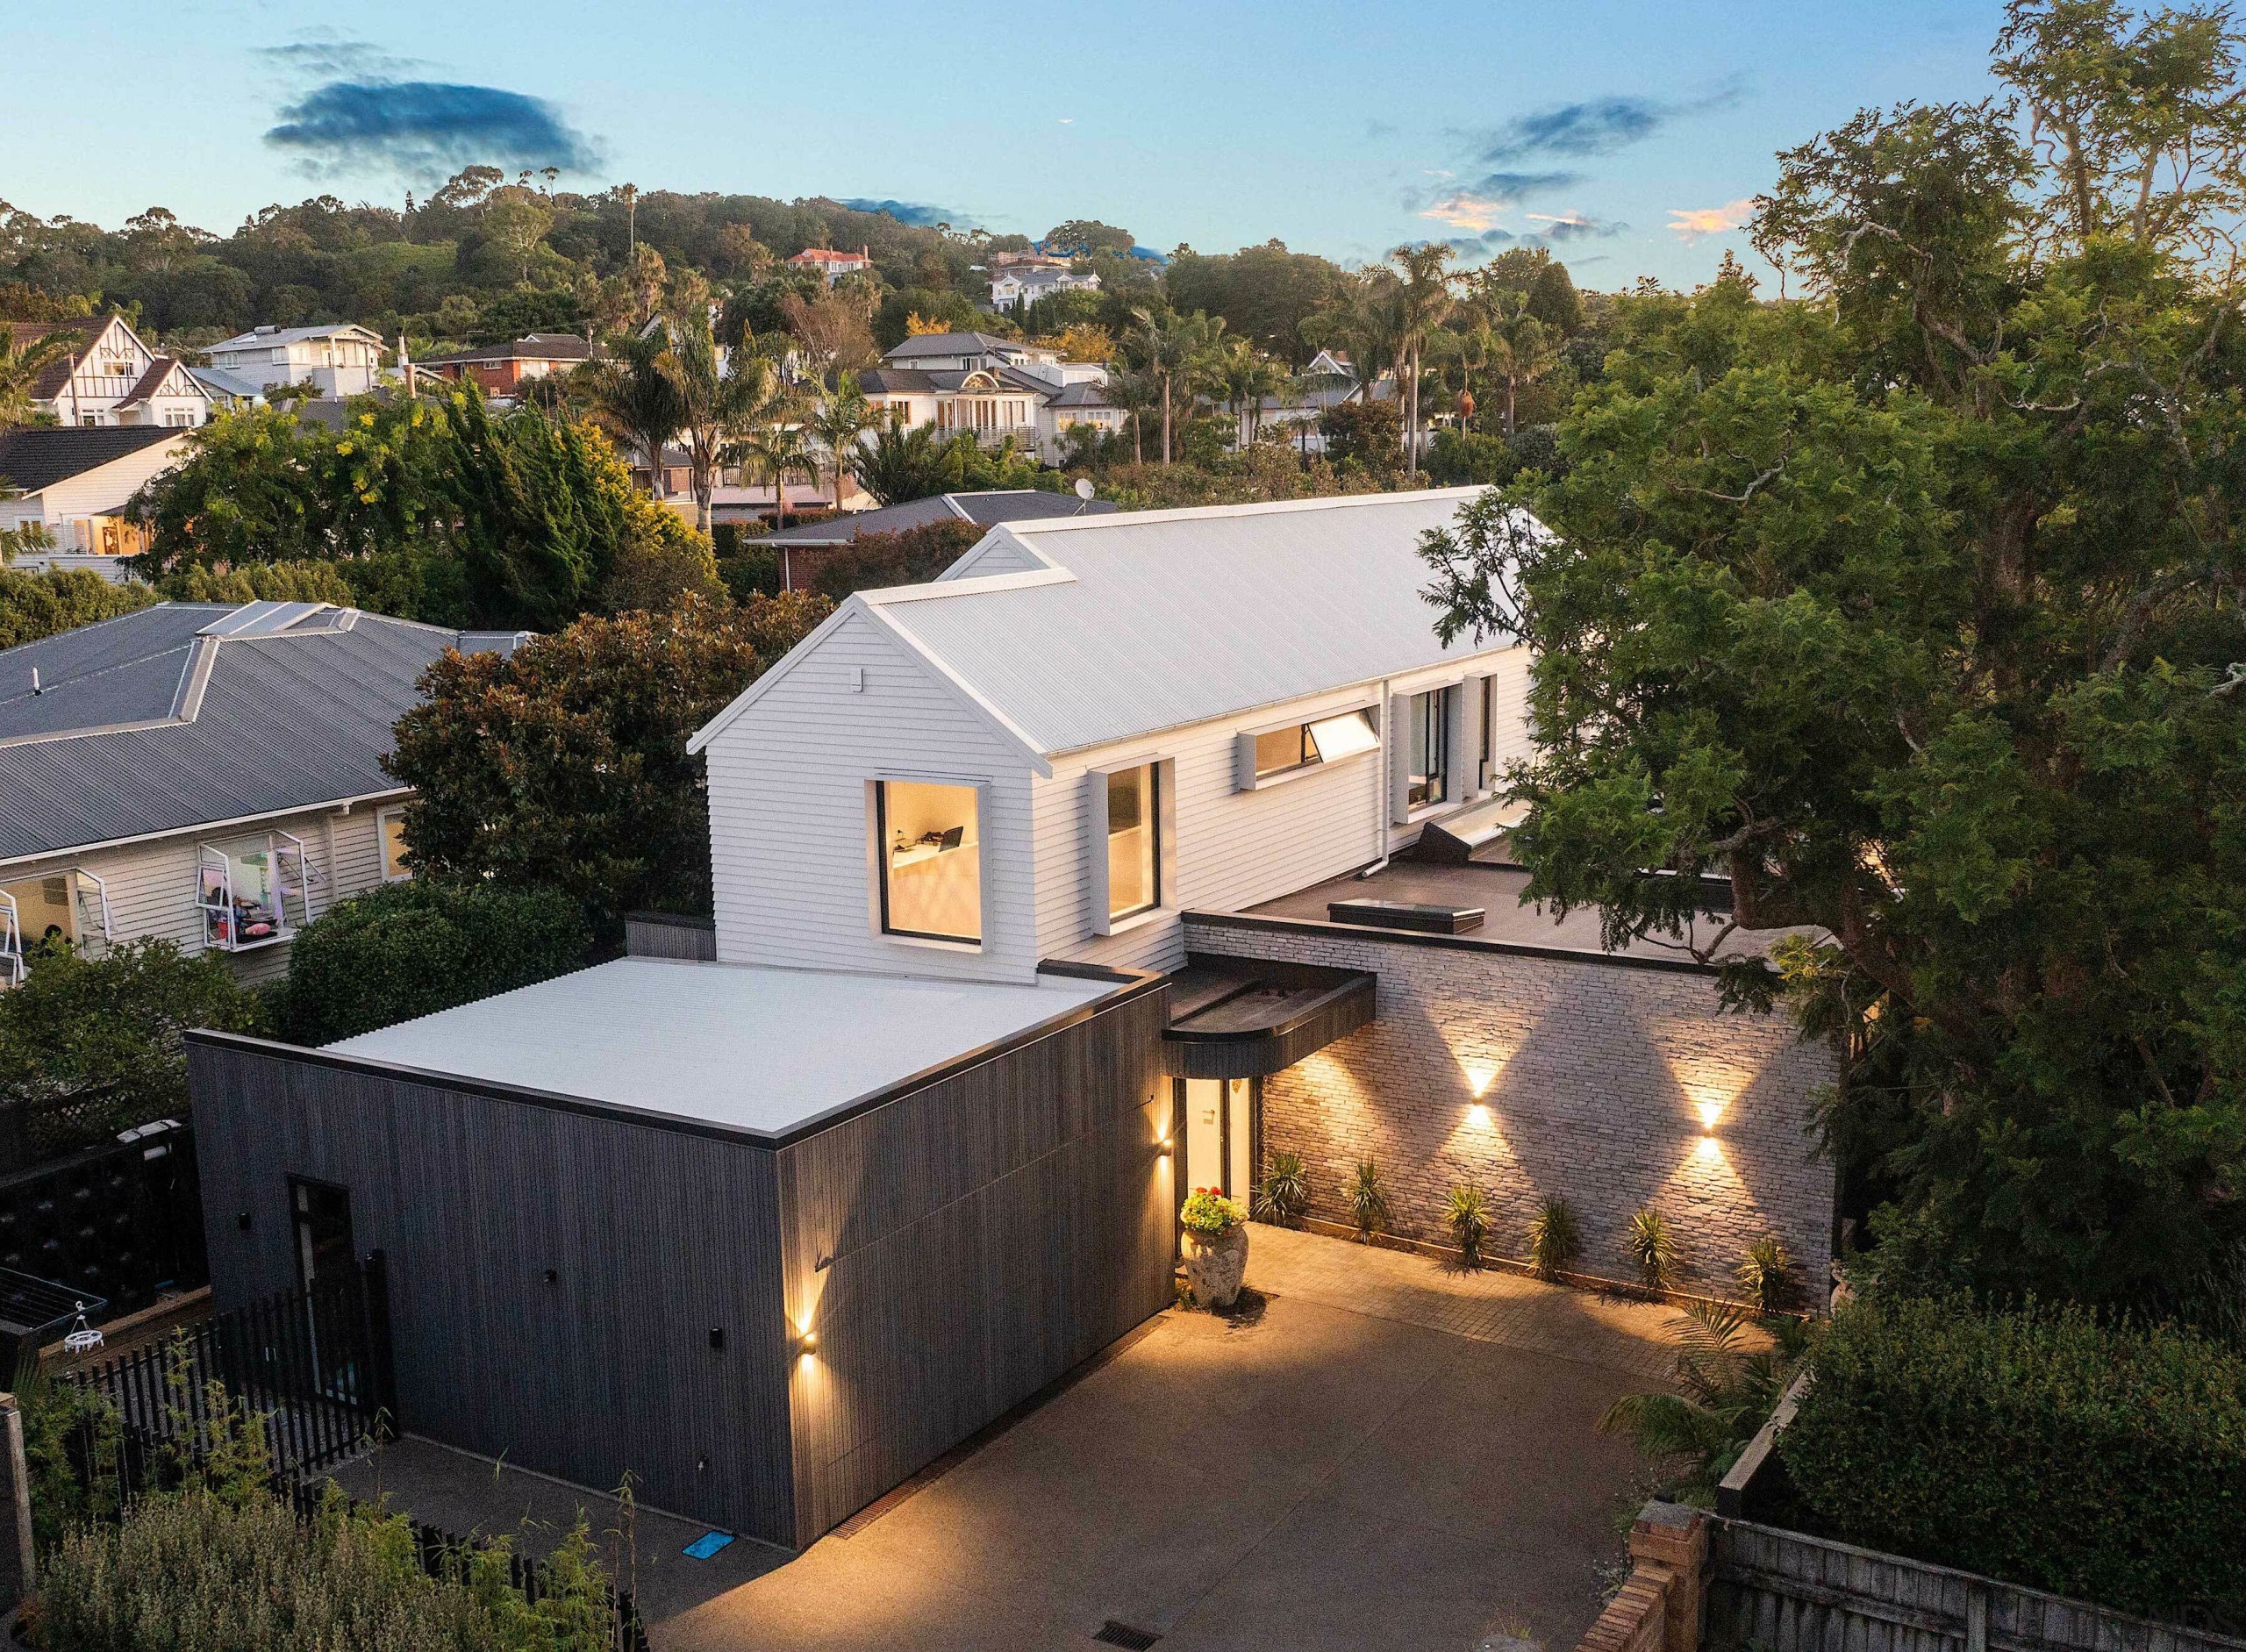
[1908, 608]
[565, 766]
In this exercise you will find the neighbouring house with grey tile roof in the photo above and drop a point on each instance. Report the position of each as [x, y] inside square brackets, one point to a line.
[204, 773]
[995, 388]
[74, 482]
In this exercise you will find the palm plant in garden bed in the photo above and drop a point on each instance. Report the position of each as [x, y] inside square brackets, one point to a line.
[1469, 1215]
[1368, 1202]
[1284, 1194]
[1554, 1241]
[1726, 1388]
[1652, 1249]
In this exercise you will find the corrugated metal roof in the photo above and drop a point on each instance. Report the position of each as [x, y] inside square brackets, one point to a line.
[986, 509]
[287, 719]
[1173, 617]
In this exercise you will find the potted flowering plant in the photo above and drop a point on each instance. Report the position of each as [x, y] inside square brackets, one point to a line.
[1216, 1246]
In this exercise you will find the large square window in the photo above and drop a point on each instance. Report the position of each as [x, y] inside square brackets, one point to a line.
[1133, 841]
[1428, 718]
[931, 860]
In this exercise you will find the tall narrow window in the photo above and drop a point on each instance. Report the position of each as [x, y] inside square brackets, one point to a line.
[931, 867]
[1133, 841]
[1429, 716]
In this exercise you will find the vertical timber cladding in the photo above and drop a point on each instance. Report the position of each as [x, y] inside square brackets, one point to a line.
[652, 1235]
[1611, 1081]
[956, 1249]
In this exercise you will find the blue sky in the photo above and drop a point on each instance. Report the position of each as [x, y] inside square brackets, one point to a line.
[1626, 134]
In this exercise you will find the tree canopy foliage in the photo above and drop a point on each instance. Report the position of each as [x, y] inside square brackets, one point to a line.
[1908, 607]
[566, 765]
[39, 605]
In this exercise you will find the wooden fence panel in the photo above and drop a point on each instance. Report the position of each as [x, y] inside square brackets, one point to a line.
[1775, 1591]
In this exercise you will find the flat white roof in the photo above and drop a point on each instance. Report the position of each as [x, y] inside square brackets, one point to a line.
[741, 1045]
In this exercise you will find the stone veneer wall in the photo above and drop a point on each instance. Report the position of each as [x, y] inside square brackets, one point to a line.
[1594, 1072]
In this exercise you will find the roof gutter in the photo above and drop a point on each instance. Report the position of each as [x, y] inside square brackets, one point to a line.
[342, 805]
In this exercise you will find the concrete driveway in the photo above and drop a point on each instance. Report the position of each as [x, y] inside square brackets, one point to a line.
[1329, 1470]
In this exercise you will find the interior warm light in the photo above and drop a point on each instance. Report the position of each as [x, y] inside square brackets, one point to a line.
[1710, 1112]
[1478, 1116]
[1709, 1147]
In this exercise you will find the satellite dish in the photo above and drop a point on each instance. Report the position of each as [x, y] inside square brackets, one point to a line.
[1083, 487]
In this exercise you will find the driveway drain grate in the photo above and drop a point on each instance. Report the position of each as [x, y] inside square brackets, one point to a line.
[1114, 1633]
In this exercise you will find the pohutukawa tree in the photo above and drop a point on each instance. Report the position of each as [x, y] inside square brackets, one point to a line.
[1907, 606]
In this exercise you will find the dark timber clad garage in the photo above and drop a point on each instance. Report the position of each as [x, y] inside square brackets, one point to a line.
[588, 1286]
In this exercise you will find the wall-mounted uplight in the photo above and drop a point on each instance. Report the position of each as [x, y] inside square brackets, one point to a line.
[1478, 1080]
[1478, 1116]
[1166, 1147]
[1709, 1148]
[805, 1343]
[1709, 1112]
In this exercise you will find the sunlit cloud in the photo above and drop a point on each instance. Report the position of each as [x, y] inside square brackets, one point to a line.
[1577, 226]
[1693, 224]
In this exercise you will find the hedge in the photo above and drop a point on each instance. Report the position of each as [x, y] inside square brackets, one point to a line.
[33, 606]
[2043, 1447]
[414, 948]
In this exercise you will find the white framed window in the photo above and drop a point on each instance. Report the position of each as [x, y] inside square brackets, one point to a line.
[1271, 754]
[390, 829]
[1429, 732]
[54, 910]
[928, 845]
[253, 892]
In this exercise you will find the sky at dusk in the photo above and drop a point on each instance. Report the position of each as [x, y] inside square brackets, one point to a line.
[1629, 137]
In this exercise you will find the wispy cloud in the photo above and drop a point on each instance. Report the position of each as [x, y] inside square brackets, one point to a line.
[914, 212]
[335, 57]
[1595, 126]
[426, 127]
[1562, 227]
[1693, 223]
[1478, 205]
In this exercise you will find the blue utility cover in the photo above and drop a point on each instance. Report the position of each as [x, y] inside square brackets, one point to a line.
[708, 1544]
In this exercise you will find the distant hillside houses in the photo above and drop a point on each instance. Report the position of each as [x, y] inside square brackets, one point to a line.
[1025, 278]
[830, 263]
[996, 387]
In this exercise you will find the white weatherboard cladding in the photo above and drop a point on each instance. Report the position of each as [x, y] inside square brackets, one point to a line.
[1173, 618]
[151, 886]
[1231, 849]
[790, 839]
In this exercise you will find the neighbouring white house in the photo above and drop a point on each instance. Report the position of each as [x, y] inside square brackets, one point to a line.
[229, 392]
[1018, 278]
[831, 263]
[107, 377]
[994, 387]
[341, 359]
[74, 482]
[202, 772]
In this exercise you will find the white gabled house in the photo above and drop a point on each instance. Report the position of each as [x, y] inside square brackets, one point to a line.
[1091, 725]
[342, 359]
[107, 377]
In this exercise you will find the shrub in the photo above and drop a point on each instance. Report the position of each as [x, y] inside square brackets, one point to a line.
[1209, 1212]
[1469, 1215]
[910, 557]
[1554, 1241]
[753, 571]
[196, 1571]
[35, 606]
[1284, 1194]
[1765, 1273]
[92, 1045]
[1368, 1202]
[1726, 1387]
[305, 582]
[1652, 1249]
[2041, 1446]
[411, 950]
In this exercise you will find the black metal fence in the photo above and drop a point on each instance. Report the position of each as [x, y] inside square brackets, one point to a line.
[315, 1364]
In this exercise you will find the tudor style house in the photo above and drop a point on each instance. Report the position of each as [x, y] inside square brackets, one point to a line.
[341, 360]
[109, 376]
[1134, 849]
[994, 387]
[204, 774]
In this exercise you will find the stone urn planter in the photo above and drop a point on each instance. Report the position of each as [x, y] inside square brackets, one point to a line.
[1215, 1247]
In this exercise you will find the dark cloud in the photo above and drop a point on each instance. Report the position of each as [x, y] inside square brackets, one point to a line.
[1579, 227]
[916, 212]
[333, 59]
[427, 127]
[1596, 126]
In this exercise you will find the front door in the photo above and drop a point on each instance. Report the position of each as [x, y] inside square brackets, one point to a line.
[1220, 1136]
[323, 1224]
